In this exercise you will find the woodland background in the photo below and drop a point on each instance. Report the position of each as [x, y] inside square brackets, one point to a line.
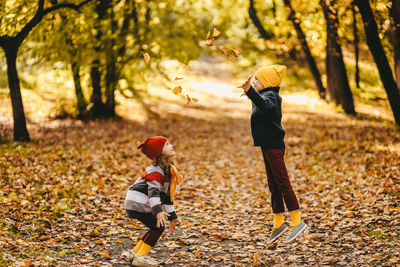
[83, 82]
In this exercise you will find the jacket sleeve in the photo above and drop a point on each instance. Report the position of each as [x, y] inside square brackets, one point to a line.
[153, 181]
[168, 206]
[262, 103]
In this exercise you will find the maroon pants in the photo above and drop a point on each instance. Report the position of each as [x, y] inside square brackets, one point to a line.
[153, 234]
[278, 181]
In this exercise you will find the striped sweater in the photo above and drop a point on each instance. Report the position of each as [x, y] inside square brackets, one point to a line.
[150, 193]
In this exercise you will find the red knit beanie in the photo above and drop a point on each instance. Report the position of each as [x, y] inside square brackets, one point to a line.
[153, 146]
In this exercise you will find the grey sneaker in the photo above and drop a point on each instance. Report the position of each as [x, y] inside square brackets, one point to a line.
[276, 233]
[294, 231]
[144, 261]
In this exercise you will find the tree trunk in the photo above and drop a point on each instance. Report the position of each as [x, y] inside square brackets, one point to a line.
[97, 109]
[111, 75]
[375, 46]
[80, 98]
[20, 131]
[256, 21]
[394, 12]
[274, 6]
[306, 50]
[110, 81]
[356, 41]
[338, 83]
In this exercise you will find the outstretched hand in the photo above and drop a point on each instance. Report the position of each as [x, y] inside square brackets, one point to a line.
[246, 85]
[173, 224]
[161, 219]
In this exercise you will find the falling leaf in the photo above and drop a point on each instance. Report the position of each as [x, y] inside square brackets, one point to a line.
[149, 74]
[223, 50]
[178, 78]
[146, 58]
[194, 99]
[177, 90]
[210, 41]
[188, 99]
[208, 35]
[234, 52]
[232, 60]
[215, 32]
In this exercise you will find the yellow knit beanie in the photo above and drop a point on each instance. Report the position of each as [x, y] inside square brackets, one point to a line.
[271, 76]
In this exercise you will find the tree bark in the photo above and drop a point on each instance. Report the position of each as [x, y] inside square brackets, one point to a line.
[312, 66]
[256, 21]
[97, 106]
[20, 131]
[394, 13]
[355, 42]
[80, 98]
[111, 71]
[375, 46]
[338, 83]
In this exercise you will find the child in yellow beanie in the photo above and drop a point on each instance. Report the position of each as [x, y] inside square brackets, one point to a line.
[268, 133]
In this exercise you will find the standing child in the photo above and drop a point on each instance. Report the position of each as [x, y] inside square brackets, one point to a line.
[151, 198]
[268, 133]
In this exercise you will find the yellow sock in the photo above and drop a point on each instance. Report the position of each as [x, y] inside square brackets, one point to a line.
[296, 219]
[144, 249]
[278, 220]
[138, 246]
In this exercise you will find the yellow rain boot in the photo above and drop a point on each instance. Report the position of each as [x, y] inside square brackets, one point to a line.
[144, 249]
[138, 246]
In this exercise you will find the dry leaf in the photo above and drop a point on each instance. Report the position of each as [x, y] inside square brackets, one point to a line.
[194, 99]
[210, 41]
[146, 58]
[178, 78]
[188, 99]
[216, 32]
[94, 233]
[234, 52]
[177, 90]
[104, 254]
[223, 50]
[198, 254]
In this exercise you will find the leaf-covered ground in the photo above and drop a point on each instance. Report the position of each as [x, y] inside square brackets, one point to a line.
[62, 194]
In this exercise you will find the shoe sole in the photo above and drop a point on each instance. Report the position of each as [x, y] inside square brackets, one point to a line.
[276, 237]
[298, 233]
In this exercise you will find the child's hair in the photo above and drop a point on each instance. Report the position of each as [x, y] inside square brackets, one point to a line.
[164, 162]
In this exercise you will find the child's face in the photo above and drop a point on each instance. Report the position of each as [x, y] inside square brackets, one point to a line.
[168, 150]
[258, 85]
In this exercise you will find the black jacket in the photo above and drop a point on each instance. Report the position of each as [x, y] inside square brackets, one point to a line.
[266, 117]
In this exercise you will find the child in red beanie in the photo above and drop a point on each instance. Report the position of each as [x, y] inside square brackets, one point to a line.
[268, 133]
[150, 198]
